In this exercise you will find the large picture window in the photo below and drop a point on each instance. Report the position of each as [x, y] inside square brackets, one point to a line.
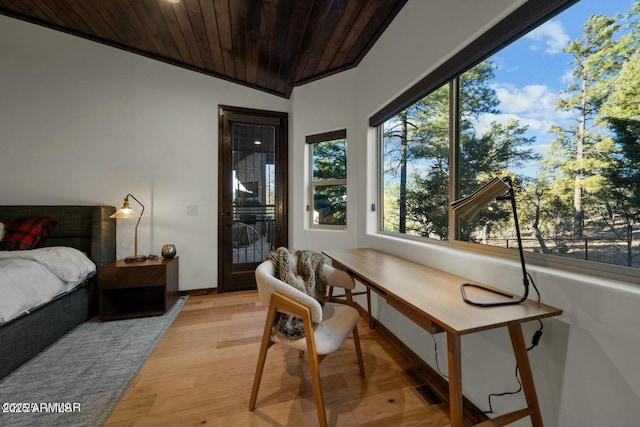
[328, 155]
[557, 110]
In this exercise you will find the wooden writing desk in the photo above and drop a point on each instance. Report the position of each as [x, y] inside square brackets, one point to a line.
[431, 298]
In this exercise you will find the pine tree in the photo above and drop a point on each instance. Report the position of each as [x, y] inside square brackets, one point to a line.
[583, 149]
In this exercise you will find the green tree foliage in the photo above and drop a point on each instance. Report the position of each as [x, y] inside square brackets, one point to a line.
[621, 195]
[495, 153]
[330, 163]
[623, 102]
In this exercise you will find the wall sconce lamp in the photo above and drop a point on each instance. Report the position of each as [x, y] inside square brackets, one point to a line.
[468, 207]
[127, 212]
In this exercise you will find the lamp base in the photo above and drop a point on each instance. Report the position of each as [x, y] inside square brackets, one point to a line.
[135, 258]
[494, 291]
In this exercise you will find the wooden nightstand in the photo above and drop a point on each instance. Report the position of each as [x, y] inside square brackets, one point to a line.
[137, 289]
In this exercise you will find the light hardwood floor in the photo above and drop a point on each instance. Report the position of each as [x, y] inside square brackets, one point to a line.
[202, 371]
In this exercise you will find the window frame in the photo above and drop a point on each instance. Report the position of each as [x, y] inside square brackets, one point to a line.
[520, 22]
[318, 139]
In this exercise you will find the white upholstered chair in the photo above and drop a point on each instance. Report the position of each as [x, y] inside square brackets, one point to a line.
[335, 321]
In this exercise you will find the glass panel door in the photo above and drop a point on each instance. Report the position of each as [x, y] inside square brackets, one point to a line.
[254, 190]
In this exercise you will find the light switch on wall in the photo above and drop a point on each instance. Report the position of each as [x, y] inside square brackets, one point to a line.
[192, 210]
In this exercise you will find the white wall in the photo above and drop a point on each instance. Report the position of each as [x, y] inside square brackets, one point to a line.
[585, 366]
[86, 123]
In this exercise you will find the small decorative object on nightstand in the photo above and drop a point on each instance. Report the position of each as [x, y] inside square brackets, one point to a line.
[169, 251]
[147, 288]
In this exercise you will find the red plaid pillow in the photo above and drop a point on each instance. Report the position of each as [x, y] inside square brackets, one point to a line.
[26, 233]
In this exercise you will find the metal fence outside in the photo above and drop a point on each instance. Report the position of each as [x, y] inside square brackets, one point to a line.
[606, 251]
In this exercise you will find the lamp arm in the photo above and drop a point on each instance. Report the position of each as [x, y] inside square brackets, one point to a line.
[525, 276]
[134, 198]
[135, 249]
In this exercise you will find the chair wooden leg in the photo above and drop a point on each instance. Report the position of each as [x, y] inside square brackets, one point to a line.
[266, 343]
[371, 324]
[314, 365]
[331, 298]
[356, 340]
[356, 336]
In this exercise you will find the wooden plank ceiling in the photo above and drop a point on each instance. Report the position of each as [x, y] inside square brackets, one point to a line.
[270, 45]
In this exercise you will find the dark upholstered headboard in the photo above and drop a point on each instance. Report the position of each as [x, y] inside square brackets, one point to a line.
[86, 228]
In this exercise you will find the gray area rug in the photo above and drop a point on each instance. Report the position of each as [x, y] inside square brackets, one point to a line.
[80, 378]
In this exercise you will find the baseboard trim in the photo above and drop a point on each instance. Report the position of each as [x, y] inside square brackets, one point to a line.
[426, 373]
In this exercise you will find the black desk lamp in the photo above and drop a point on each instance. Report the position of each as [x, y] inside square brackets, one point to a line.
[468, 207]
[127, 212]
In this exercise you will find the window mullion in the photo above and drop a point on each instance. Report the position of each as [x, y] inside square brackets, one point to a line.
[454, 154]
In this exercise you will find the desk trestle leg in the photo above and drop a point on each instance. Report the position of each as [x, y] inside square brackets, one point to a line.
[529, 388]
[455, 379]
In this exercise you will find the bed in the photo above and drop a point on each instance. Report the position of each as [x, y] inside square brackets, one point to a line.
[85, 228]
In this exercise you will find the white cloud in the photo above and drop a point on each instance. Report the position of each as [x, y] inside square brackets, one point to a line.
[531, 105]
[536, 126]
[567, 77]
[528, 99]
[552, 34]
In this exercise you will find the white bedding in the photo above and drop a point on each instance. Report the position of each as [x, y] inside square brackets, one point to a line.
[33, 277]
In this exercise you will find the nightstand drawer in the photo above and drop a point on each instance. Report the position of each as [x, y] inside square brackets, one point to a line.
[132, 277]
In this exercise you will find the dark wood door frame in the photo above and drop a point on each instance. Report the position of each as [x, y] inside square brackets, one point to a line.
[228, 280]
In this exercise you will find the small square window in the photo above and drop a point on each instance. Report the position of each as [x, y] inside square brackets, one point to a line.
[328, 153]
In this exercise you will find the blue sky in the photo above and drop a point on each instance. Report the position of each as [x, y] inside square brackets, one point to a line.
[532, 71]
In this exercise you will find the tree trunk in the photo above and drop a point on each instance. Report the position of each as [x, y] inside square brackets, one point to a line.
[578, 211]
[486, 234]
[629, 231]
[536, 230]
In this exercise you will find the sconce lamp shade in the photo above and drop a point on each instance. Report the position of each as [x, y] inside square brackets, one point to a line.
[469, 206]
[126, 212]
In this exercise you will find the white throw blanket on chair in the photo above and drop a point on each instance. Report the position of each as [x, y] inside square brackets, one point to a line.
[302, 270]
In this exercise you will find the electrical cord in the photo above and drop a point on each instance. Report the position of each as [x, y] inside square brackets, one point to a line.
[534, 342]
[533, 283]
[435, 349]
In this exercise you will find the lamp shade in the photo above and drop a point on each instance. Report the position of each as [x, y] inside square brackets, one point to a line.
[469, 206]
[125, 211]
